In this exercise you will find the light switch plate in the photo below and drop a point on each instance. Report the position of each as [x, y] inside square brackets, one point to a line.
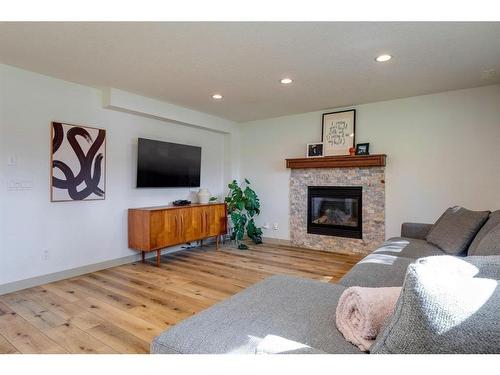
[16, 185]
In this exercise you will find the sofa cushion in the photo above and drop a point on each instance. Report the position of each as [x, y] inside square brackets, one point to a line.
[487, 240]
[295, 309]
[408, 248]
[455, 229]
[377, 270]
[447, 305]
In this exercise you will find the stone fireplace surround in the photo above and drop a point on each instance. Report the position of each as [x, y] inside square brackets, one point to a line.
[371, 179]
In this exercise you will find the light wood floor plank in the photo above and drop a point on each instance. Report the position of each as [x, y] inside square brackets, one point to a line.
[150, 298]
[123, 319]
[39, 316]
[6, 347]
[24, 336]
[74, 340]
[119, 339]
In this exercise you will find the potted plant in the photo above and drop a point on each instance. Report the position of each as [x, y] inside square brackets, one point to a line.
[243, 204]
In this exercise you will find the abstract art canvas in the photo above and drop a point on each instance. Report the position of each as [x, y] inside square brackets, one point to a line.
[78, 163]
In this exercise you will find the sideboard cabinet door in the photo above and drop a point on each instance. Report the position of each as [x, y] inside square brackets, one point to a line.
[165, 228]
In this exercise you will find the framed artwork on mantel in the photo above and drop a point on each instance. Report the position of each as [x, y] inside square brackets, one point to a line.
[338, 132]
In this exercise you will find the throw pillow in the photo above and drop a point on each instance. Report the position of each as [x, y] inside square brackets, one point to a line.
[447, 305]
[487, 240]
[455, 229]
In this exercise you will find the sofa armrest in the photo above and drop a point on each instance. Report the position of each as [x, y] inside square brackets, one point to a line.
[415, 230]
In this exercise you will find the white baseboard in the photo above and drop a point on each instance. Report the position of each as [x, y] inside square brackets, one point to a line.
[276, 241]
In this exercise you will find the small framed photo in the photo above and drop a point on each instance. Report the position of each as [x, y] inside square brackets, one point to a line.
[315, 150]
[363, 149]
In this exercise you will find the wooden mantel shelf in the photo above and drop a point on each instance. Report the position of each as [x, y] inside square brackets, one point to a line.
[359, 161]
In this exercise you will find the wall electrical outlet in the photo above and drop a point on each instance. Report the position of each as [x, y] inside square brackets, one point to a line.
[488, 74]
[45, 255]
[275, 226]
[11, 161]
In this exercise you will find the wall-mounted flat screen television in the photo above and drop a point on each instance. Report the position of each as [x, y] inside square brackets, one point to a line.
[165, 164]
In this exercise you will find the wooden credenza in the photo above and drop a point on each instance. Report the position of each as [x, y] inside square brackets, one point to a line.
[154, 228]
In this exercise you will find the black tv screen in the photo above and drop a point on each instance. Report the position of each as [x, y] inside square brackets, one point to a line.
[165, 164]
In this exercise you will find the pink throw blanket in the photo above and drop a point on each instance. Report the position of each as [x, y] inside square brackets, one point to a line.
[361, 313]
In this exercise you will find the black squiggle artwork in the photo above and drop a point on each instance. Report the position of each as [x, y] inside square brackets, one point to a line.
[81, 181]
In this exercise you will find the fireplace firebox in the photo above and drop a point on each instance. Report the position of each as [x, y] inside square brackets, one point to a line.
[335, 211]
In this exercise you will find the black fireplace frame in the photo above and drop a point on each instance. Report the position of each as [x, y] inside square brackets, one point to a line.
[337, 192]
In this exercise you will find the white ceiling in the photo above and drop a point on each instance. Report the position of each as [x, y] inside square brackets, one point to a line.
[332, 63]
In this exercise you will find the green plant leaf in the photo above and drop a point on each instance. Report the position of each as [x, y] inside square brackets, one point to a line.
[252, 203]
[253, 232]
[240, 205]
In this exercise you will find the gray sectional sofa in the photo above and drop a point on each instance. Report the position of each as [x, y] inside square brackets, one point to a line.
[284, 314]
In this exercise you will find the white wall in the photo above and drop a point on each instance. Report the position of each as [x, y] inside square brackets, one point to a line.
[80, 233]
[152, 108]
[442, 150]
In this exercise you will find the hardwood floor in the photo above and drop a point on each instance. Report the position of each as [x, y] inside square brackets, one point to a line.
[121, 309]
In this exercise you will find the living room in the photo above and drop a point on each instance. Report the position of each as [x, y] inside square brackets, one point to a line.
[202, 187]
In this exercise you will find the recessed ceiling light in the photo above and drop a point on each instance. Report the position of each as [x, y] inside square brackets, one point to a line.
[286, 81]
[383, 58]
[217, 96]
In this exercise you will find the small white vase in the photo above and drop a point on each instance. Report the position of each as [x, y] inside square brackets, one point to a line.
[203, 196]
